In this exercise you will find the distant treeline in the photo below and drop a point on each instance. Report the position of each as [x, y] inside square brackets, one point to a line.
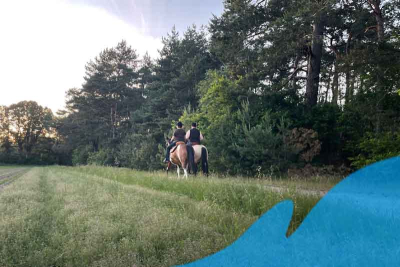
[273, 85]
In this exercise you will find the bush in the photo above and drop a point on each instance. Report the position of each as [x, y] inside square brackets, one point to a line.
[375, 148]
[80, 155]
[325, 120]
[304, 142]
[261, 144]
[140, 152]
[103, 157]
[246, 142]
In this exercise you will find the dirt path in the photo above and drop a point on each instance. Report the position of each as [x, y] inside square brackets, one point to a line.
[6, 176]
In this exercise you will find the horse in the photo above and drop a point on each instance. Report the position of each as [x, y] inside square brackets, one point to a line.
[200, 154]
[179, 157]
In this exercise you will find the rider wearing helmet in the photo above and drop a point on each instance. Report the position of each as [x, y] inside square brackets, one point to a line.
[179, 136]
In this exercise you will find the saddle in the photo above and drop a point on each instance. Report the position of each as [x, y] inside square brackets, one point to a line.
[176, 146]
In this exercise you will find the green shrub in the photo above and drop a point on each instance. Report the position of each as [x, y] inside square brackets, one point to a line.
[245, 142]
[80, 155]
[375, 148]
[141, 152]
[103, 157]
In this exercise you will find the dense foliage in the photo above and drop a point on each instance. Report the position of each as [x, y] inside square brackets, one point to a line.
[328, 71]
[27, 134]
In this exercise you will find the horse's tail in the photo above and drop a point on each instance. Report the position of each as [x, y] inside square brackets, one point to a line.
[194, 164]
[204, 160]
[190, 155]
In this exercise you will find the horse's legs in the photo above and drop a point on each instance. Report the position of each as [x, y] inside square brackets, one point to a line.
[177, 168]
[168, 167]
[185, 175]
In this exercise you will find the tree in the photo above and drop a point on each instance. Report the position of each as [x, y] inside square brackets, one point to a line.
[28, 122]
[5, 142]
[99, 113]
[27, 134]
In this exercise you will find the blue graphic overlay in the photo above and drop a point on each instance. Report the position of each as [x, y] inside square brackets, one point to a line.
[357, 223]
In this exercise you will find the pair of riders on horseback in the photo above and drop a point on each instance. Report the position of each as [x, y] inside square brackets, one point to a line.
[192, 136]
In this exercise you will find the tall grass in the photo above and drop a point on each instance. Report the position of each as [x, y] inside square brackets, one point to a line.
[97, 216]
[52, 218]
[243, 196]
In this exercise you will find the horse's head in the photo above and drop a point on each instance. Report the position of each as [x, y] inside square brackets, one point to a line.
[167, 141]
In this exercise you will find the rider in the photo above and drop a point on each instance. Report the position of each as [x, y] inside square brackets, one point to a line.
[194, 136]
[179, 136]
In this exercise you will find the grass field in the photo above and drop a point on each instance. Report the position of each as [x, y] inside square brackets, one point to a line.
[99, 216]
[10, 173]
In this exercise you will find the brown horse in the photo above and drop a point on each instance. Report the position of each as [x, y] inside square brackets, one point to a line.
[179, 157]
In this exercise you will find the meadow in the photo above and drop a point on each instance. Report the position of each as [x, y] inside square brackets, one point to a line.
[101, 216]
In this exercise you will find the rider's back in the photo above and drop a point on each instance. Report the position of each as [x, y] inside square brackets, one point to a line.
[179, 135]
[194, 136]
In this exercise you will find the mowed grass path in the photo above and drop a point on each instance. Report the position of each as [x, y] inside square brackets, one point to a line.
[97, 216]
[10, 173]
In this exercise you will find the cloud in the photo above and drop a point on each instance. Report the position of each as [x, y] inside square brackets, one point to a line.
[46, 44]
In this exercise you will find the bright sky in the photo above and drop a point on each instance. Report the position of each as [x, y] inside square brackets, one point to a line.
[45, 44]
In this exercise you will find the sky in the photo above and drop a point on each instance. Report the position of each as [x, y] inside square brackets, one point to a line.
[45, 44]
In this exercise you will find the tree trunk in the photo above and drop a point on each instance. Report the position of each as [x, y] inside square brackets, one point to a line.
[328, 86]
[361, 87]
[379, 20]
[335, 84]
[20, 148]
[112, 123]
[375, 6]
[295, 67]
[352, 83]
[113, 120]
[347, 94]
[314, 62]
